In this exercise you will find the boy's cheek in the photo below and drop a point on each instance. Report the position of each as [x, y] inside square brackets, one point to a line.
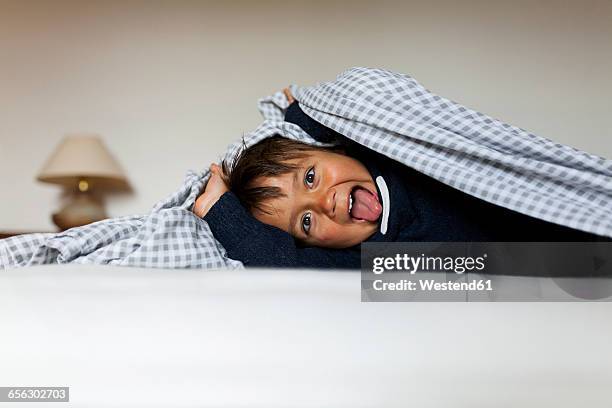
[334, 235]
[329, 234]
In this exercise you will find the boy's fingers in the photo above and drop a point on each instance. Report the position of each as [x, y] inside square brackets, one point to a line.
[216, 171]
[288, 95]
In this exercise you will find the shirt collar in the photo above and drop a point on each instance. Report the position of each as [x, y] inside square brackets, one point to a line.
[397, 207]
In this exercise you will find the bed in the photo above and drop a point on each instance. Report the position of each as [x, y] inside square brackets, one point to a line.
[289, 338]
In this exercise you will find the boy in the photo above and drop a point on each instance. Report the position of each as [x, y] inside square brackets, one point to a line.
[284, 203]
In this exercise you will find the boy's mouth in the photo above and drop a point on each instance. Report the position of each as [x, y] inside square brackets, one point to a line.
[363, 204]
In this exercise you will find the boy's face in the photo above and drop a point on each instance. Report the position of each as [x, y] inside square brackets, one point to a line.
[330, 201]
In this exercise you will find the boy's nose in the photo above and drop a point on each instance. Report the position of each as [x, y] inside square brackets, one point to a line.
[327, 202]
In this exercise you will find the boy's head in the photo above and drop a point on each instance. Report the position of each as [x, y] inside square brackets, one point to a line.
[319, 195]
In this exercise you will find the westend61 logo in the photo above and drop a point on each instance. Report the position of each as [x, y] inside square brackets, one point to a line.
[423, 263]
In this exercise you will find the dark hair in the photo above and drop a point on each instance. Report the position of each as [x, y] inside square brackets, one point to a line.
[269, 158]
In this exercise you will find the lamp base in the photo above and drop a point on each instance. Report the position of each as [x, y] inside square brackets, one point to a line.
[84, 209]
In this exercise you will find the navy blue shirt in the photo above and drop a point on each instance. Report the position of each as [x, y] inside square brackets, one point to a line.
[420, 209]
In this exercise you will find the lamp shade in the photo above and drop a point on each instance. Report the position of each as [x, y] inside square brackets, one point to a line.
[83, 157]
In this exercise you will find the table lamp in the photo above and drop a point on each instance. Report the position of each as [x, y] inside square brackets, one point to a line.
[83, 165]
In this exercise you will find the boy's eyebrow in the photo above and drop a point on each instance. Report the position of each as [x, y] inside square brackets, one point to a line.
[293, 216]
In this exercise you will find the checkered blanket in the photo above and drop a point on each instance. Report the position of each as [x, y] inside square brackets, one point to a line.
[390, 113]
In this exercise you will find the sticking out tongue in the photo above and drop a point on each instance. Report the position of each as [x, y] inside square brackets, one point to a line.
[365, 205]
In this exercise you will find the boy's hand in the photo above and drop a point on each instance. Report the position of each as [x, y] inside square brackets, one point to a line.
[215, 188]
[289, 95]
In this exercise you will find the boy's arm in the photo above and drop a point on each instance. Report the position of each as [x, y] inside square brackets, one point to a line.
[321, 133]
[257, 244]
[294, 114]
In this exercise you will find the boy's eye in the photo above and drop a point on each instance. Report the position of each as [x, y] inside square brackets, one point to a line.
[309, 177]
[306, 220]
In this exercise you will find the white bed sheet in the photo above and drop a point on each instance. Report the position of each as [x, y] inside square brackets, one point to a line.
[269, 338]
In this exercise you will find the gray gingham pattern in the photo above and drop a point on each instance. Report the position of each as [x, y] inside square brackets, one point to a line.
[390, 113]
[394, 115]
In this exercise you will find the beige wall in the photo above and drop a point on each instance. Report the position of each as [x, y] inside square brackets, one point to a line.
[170, 84]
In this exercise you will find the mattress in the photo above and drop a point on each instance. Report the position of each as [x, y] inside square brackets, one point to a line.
[289, 338]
